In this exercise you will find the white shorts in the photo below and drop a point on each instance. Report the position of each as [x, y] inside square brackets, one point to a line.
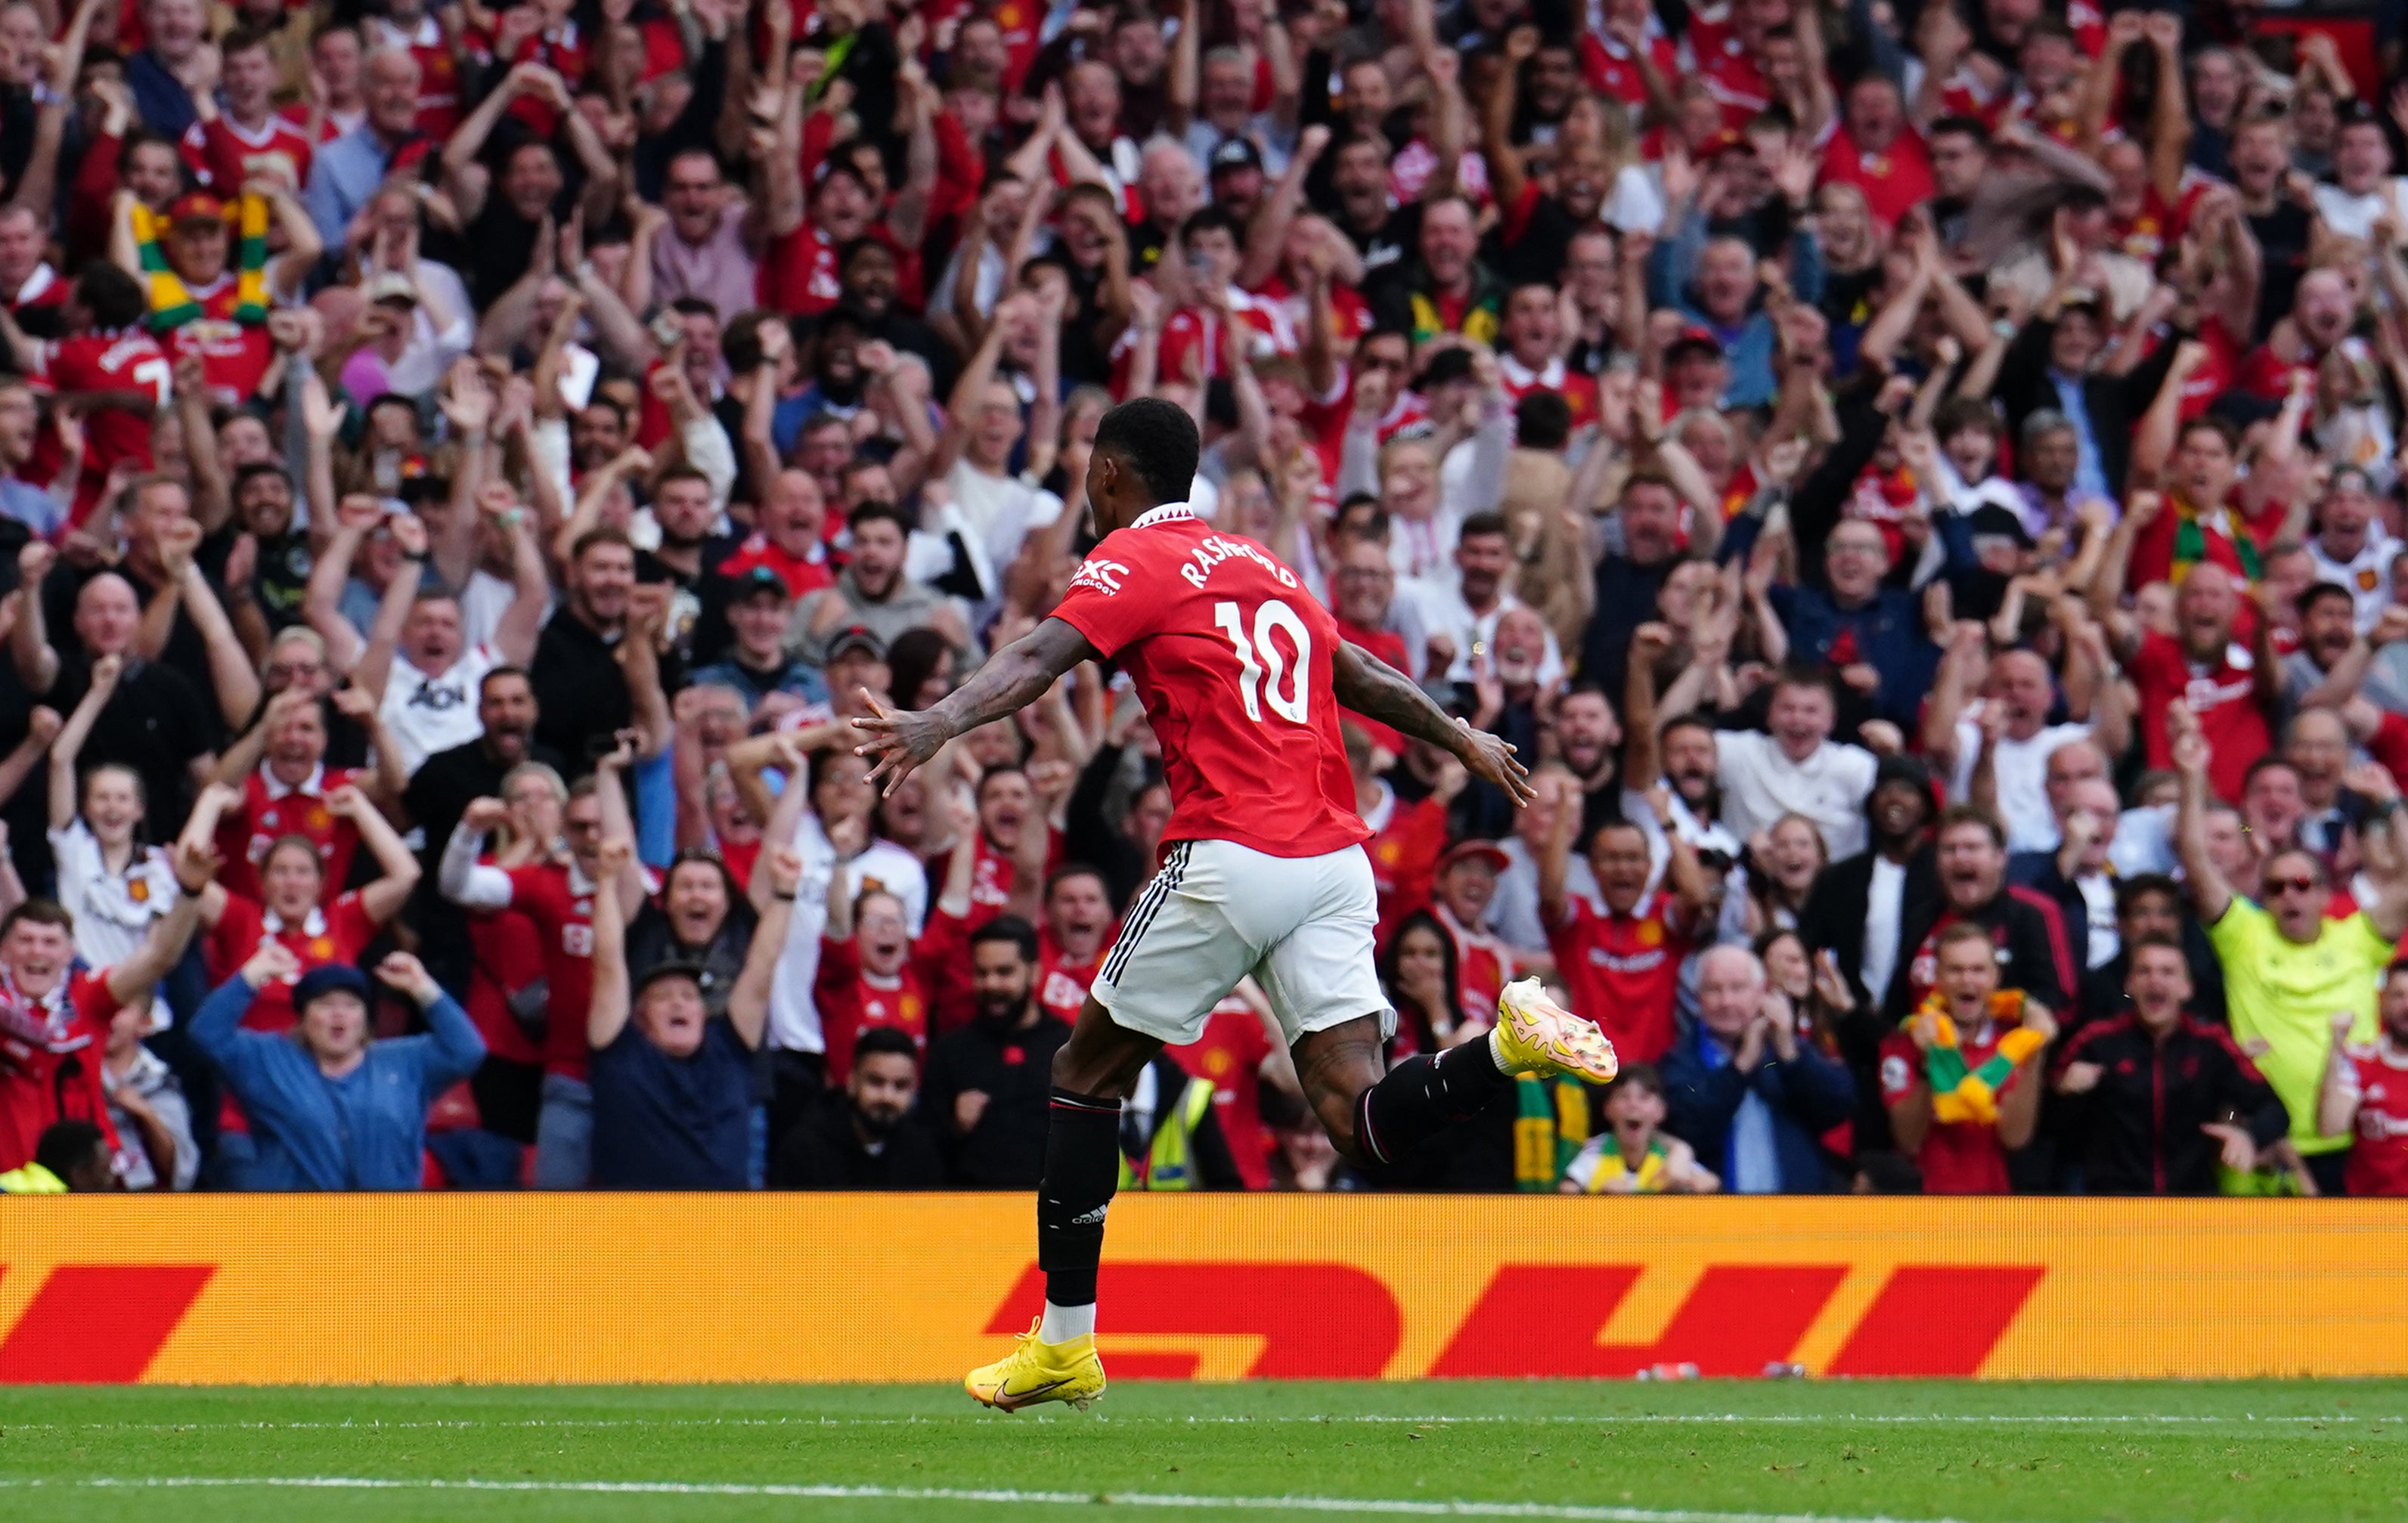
[1218, 911]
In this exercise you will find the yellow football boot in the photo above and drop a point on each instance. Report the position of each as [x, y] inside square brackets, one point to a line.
[1038, 1371]
[1535, 1035]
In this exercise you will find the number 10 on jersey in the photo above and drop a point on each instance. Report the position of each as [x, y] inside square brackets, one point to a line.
[1261, 668]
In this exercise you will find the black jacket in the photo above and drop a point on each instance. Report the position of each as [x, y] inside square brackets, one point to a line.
[823, 1152]
[2034, 955]
[2137, 1130]
[1833, 920]
[2115, 404]
[1014, 1069]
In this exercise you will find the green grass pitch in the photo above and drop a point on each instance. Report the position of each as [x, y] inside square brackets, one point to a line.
[1728, 1451]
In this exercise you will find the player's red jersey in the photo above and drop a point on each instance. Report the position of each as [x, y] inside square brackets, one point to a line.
[851, 998]
[1229, 1058]
[128, 360]
[1231, 657]
[271, 810]
[233, 354]
[335, 932]
[45, 287]
[1957, 1157]
[799, 274]
[2378, 1163]
[560, 901]
[49, 1062]
[222, 154]
[1894, 179]
[1729, 68]
[1063, 981]
[1195, 331]
[1621, 972]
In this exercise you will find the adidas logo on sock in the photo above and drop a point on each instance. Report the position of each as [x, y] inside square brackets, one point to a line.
[1091, 1218]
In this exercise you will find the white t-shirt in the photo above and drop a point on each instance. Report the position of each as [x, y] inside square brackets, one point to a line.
[484, 602]
[793, 1019]
[2021, 768]
[1001, 509]
[430, 714]
[1760, 784]
[112, 914]
[1885, 909]
[1703, 835]
[1444, 612]
[1513, 909]
[2367, 575]
[2355, 216]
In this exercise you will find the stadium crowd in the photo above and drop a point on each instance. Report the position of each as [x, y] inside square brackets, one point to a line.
[1921, 484]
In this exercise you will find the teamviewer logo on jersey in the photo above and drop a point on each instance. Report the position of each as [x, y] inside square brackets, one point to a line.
[1103, 576]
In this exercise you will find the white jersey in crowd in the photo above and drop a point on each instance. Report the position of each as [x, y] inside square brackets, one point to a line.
[2020, 768]
[430, 714]
[793, 1019]
[2367, 575]
[1760, 784]
[112, 914]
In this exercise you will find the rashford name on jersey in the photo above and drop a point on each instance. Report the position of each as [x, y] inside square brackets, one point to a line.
[1231, 658]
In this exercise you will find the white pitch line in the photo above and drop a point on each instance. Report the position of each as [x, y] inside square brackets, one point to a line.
[1389, 1507]
[1794, 1419]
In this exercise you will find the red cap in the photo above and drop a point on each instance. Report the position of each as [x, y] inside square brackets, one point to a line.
[1723, 142]
[1486, 851]
[197, 206]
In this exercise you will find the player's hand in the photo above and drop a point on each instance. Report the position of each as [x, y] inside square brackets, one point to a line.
[1492, 761]
[901, 740]
[2239, 1153]
[2078, 1078]
[967, 1107]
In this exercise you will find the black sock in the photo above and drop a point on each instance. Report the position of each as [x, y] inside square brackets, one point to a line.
[1083, 1169]
[1423, 1096]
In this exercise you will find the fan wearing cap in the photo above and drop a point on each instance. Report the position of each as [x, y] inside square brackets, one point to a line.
[210, 296]
[1466, 882]
[330, 1107]
[774, 684]
[55, 1013]
[672, 1084]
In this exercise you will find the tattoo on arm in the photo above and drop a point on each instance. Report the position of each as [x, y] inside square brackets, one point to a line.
[1016, 675]
[1375, 689]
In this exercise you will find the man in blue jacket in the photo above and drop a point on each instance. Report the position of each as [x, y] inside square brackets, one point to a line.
[1746, 1092]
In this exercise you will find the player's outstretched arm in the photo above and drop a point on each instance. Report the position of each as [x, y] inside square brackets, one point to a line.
[1011, 679]
[1373, 688]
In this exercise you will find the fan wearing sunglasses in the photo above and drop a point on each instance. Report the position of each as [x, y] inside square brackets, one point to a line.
[2290, 973]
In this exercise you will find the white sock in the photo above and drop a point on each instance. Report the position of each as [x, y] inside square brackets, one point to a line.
[1063, 1323]
[1496, 1054]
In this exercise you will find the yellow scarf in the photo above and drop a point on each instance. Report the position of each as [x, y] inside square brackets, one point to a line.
[1960, 1091]
[172, 304]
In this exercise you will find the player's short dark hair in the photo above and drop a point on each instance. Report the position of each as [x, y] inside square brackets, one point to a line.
[1798, 674]
[1075, 870]
[114, 298]
[2159, 938]
[1685, 721]
[246, 474]
[241, 39]
[1008, 928]
[1158, 440]
[66, 1147]
[1542, 420]
[1960, 413]
[2221, 427]
[677, 473]
[884, 1040]
[873, 510]
[2131, 890]
[1481, 524]
[2266, 762]
[509, 671]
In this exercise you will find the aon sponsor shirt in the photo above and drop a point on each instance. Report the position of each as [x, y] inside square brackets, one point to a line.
[1230, 654]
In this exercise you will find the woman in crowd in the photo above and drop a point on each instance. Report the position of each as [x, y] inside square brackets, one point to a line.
[333, 1107]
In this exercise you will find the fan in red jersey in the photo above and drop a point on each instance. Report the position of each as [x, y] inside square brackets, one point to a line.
[107, 369]
[247, 140]
[54, 1015]
[208, 303]
[2365, 1093]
